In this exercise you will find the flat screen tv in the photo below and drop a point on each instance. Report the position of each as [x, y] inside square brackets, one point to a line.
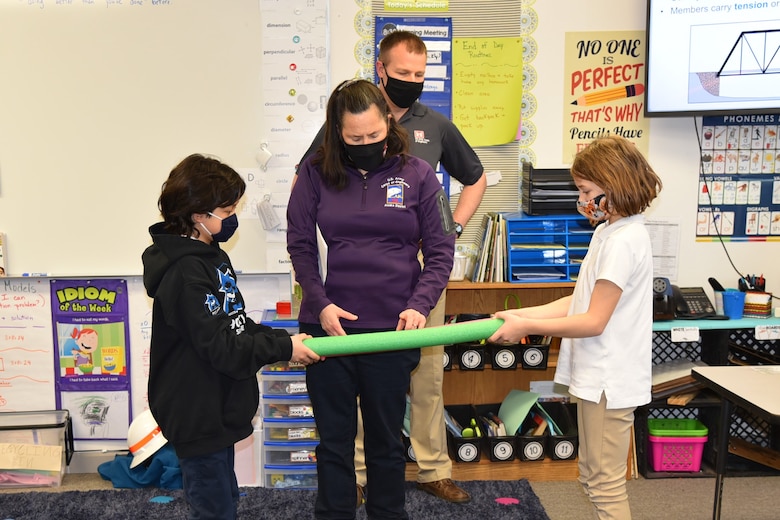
[710, 57]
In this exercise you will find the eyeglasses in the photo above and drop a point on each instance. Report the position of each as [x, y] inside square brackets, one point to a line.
[347, 83]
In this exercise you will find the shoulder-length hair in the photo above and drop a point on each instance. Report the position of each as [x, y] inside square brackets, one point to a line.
[354, 96]
[198, 184]
[615, 165]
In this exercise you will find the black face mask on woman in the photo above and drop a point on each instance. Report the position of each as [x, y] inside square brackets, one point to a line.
[367, 157]
[402, 93]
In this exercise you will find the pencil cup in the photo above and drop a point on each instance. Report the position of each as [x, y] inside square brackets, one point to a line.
[733, 303]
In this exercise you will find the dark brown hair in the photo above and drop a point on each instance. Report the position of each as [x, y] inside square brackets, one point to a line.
[615, 165]
[353, 96]
[198, 184]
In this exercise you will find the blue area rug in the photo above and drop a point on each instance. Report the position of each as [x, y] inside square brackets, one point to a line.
[494, 500]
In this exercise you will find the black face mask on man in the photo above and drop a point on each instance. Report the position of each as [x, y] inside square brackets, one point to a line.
[402, 93]
[367, 157]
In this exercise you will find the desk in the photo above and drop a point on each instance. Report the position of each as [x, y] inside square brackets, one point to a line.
[754, 388]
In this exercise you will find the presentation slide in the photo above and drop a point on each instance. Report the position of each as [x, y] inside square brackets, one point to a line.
[710, 56]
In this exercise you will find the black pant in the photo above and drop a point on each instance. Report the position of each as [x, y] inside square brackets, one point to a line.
[381, 380]
[210, 485]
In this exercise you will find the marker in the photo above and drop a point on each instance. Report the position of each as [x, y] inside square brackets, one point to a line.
[610, 94]
[35, 274]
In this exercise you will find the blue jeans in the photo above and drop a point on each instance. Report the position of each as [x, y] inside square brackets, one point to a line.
[210, 485]
[381, 380]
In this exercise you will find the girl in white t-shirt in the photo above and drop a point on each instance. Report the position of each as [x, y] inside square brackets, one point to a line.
[606, 324]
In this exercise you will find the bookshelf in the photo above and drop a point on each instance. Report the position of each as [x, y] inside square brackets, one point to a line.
[491, 386]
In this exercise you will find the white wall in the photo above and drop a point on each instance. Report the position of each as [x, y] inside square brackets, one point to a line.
[673, 149]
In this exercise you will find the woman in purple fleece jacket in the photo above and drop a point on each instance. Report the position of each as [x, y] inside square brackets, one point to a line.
[375, 207]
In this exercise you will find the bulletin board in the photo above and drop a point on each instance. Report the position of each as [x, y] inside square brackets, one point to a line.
[739, 188]
[99, 101]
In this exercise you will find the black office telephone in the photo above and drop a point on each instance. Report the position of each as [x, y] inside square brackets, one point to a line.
[682, 303]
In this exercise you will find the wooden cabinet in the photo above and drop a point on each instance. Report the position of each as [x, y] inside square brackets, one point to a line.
[491, 386]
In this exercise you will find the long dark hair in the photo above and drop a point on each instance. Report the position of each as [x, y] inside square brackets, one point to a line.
[198, 184]
[353, 96]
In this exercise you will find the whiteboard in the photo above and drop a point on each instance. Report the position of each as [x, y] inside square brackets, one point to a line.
[99, 100]
[27, 358]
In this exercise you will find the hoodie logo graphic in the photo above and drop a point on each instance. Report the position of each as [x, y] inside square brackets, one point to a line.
[227, 286]
[211, 304]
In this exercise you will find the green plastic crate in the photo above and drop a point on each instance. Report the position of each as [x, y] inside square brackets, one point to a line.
[676, 428]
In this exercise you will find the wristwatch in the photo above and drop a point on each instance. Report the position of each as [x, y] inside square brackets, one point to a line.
[458, 229]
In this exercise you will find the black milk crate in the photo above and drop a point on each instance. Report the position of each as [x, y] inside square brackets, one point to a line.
[704, 408]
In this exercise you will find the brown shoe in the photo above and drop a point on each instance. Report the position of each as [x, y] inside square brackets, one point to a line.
[445, 489]
[361, 496]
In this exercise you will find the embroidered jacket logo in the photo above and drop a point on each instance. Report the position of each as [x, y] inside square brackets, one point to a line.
[395, 195]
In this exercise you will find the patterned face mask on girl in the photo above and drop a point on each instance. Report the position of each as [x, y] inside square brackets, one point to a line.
[593, 209]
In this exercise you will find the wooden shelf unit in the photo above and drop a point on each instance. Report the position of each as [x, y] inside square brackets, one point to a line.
[491, 386]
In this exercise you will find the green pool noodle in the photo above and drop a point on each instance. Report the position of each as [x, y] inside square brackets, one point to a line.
[404, 339]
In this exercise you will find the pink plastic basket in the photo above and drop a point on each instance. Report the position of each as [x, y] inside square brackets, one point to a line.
[677, 453]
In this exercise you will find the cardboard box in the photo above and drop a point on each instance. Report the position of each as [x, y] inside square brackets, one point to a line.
[35, 448]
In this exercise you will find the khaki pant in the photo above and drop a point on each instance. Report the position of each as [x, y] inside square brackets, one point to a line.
[428, 435]
[605, 437]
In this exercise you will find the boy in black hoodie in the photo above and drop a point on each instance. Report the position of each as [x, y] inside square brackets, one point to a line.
[205, 351]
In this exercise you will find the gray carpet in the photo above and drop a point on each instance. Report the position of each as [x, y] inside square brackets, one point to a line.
[264, 503]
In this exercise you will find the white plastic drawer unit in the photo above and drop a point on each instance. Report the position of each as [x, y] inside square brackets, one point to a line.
[283, 384]
[291, 407]
[290, 453]
[290, 430]
[35, 448]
